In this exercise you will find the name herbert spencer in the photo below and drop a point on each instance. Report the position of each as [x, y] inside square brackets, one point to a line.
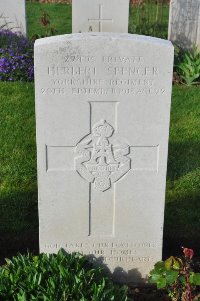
[109, 71]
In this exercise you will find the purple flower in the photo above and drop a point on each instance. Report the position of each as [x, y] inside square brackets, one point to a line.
[16, 57]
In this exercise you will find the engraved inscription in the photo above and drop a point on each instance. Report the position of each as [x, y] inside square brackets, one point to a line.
[101, 161]
[193, 12]
[118, 75]
[110, 245]
[111, 251]
[184, 28]
[190, 11]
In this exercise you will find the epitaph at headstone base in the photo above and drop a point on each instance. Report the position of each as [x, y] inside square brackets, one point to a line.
[102, 112]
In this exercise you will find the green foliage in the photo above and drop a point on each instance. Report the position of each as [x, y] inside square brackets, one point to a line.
[187, 65]
[149, 18]
[176, 275]
[46, 25]
[59, 14]
[163, 276]
[60, 277]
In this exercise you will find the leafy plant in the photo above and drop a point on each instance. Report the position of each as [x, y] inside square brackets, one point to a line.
[16, 57]
[61, 277]
[188, 66]
[45, 22]
[177, 276]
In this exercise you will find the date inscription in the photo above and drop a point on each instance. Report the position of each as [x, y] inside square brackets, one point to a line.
[106, 75]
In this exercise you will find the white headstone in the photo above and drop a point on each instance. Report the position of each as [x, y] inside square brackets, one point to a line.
[13, 15]
[100, 15]
[184, 23]
[102, 112]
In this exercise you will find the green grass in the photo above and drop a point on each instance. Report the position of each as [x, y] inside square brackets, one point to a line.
[149, 19]
[146, 19]
[18, 185]
[182, 214]
[18, 188]
[59, 14]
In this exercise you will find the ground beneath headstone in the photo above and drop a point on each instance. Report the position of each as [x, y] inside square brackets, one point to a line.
[148, 293]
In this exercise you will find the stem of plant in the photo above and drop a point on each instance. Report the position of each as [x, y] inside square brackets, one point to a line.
[189, 289]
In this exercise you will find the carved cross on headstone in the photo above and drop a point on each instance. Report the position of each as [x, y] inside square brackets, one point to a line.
[100, 20]
[102, 158]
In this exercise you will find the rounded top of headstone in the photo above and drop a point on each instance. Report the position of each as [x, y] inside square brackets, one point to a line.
[99, 36]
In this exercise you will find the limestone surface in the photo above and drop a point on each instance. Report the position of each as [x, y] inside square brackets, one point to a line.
[102, 113]
[100, 16]
[13, 15]
[184, 23]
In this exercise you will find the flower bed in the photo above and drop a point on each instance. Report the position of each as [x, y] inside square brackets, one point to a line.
[16, 57]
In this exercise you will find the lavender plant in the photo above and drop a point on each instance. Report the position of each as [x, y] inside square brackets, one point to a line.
[16, 57]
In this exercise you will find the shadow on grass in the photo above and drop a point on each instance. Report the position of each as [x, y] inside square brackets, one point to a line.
[18, 223]
[182, 224]
[183, 158]
[182, 210]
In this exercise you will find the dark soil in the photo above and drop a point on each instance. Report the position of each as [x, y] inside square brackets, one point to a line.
[148, 293]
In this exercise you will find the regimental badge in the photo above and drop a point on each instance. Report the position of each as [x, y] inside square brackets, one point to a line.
[101, 159]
